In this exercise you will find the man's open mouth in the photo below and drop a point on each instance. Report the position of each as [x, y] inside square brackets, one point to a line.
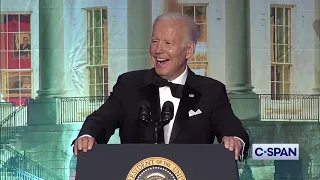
[162, 61]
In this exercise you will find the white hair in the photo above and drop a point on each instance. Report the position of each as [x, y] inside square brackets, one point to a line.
[192, 28]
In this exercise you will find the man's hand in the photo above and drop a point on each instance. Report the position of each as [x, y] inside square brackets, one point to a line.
[233, 144]
[83, 144]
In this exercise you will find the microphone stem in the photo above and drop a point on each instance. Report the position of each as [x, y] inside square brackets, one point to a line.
[156, 132]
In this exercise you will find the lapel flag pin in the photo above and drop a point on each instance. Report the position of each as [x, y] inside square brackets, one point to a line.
[191, 95]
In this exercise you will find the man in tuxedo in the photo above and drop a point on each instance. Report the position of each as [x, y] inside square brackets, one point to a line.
[201, 109]
[25, 47]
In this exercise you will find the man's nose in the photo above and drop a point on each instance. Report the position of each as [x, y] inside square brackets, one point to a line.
[159, 48]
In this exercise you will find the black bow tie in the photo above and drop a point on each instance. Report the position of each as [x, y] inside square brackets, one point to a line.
[176, 89]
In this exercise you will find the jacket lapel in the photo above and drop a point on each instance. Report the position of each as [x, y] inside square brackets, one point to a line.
[189, 100]
[150, 93]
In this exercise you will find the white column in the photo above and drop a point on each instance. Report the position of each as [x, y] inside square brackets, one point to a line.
[159, 7]
[138, 34]
[316, 27]
[44, 110]
[237, 46]
[51, 48]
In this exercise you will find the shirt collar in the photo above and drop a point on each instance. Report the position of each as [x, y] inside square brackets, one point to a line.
[182, 78]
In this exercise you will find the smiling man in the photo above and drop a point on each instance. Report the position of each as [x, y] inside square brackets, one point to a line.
[171, 46]
[201, 107]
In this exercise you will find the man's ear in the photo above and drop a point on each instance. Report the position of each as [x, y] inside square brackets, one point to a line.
[191, 47]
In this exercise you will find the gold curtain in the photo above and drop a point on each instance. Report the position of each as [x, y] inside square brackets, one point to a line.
[272, 39]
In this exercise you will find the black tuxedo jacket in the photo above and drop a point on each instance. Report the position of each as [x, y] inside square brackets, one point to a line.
[121, 111]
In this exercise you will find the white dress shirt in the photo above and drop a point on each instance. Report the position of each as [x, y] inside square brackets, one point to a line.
[165, 95]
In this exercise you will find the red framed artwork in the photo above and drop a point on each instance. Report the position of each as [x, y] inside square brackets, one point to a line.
[21, 45]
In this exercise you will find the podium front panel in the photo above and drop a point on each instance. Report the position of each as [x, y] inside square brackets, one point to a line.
[160, 162]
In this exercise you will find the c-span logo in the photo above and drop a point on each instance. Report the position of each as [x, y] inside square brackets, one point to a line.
[156, 168]
[275, 151]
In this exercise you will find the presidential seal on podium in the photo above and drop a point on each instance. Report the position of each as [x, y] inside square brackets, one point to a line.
[156, 168]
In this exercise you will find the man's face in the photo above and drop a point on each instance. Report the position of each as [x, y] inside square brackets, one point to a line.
[169, 48]
[25, 40]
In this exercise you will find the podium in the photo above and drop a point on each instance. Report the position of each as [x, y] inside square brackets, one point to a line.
[157, 162]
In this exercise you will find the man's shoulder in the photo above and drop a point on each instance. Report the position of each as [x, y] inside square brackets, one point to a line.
[133, 76]
[209, 82]
[135, 73]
